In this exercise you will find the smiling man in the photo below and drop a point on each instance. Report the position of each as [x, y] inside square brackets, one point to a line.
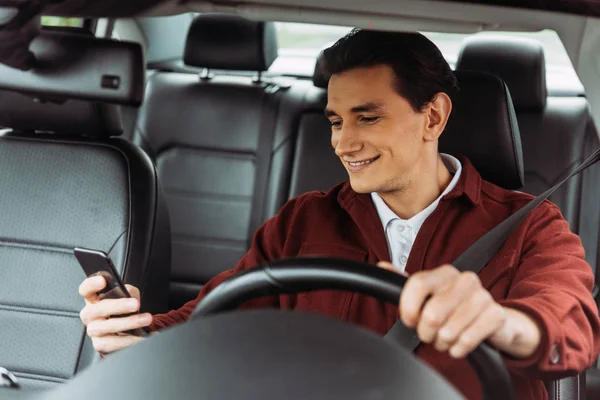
[409, 208]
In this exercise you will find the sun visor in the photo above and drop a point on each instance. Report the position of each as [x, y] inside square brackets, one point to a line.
[67, 65]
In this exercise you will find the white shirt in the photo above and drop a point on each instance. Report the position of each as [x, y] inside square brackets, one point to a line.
[401, 233]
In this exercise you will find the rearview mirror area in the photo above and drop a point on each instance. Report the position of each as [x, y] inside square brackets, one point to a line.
[70, 65]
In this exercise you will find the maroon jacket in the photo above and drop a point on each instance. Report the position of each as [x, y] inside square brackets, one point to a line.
[540, 270]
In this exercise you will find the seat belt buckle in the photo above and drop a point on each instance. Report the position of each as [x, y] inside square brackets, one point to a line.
[7, 379]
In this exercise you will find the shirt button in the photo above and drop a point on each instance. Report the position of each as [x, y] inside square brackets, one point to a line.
[403, 259]
[554, 355]
[401, 228]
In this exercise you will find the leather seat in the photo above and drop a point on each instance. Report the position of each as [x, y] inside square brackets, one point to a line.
[67, 181]
[557, 134]
[222, 145]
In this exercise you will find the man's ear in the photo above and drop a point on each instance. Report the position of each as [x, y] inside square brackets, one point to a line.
[437, 112]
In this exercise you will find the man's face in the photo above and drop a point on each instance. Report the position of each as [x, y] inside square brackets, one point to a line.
[375, 132]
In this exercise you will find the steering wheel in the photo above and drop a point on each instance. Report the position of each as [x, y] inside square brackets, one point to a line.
[311, 274]
[268, 354]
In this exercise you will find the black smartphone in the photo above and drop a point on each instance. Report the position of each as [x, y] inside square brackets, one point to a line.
[94, 262]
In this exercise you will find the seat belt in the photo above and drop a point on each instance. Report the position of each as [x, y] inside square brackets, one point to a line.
[483, 250]
[268, 119]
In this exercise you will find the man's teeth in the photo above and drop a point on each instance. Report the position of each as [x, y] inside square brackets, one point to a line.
[356, 164]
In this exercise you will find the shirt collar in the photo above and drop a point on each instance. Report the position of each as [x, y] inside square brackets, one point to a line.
[386, 215]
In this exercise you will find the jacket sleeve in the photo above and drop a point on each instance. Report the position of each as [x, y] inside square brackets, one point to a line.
[267, 245]
[553, 285]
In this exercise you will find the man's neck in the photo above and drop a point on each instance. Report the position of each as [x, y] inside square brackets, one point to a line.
[423, 190]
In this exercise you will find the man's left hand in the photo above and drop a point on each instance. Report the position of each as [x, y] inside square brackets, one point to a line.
[454, 312]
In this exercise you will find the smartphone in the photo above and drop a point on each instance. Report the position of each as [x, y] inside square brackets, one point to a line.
[94, 262]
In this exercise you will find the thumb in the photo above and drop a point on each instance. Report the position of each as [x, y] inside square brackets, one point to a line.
[390, 267]
[386, 265]
[133, 291]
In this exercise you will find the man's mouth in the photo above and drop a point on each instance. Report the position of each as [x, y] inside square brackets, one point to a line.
[358, 165]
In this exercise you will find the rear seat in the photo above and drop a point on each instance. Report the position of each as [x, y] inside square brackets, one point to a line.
[557, 133]
[204, 134]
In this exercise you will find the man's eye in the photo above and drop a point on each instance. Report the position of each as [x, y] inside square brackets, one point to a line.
[369, 120]
[336, 124]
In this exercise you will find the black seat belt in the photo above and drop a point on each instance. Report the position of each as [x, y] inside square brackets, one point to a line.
[268, 119]
[483, 250]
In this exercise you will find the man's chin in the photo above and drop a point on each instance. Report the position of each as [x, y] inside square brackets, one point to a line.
[361, 187]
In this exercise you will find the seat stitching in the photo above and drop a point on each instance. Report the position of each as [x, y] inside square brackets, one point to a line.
[39, 311]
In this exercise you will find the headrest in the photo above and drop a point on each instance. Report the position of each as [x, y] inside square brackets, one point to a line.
[222, 41]
[483, 127]
[518, 61]
[73, 117]
[79, 66]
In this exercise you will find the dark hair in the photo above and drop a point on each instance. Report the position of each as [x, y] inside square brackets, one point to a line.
[420, 68]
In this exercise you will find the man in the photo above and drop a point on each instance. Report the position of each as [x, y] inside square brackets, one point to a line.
[390, 96]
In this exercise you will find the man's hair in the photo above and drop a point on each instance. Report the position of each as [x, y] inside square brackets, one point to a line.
[420, 68]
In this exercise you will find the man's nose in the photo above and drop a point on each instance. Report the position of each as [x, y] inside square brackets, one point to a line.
[346, 141]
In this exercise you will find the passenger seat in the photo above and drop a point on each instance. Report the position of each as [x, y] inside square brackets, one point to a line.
[67, 181]
[222, 145]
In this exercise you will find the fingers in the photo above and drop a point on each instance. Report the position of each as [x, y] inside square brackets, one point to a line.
[452, 310]
[449, 306]
[386, 265]
[472, 308]
[419, 287]
[105, 332]
[483, 327]
[133, 291]
[390, 267]
[90, 287]
[107, 308]
[104, 327]
[110, 344]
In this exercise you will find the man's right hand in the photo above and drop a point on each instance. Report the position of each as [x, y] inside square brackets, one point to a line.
[107, 333]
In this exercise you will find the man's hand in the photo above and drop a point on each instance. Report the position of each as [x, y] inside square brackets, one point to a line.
[454, 312]
[106, 333]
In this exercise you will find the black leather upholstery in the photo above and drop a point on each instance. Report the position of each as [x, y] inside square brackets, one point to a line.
[484, 131]
[60, 193]
[203, 135]
[229, 42]
[518, 61]
[562, 130]
[316, 167]
[61, 190]
[71, 117]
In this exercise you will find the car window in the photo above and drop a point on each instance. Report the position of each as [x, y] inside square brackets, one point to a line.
[300, 44]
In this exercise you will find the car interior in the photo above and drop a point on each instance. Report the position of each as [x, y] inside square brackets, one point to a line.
[198, 134]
